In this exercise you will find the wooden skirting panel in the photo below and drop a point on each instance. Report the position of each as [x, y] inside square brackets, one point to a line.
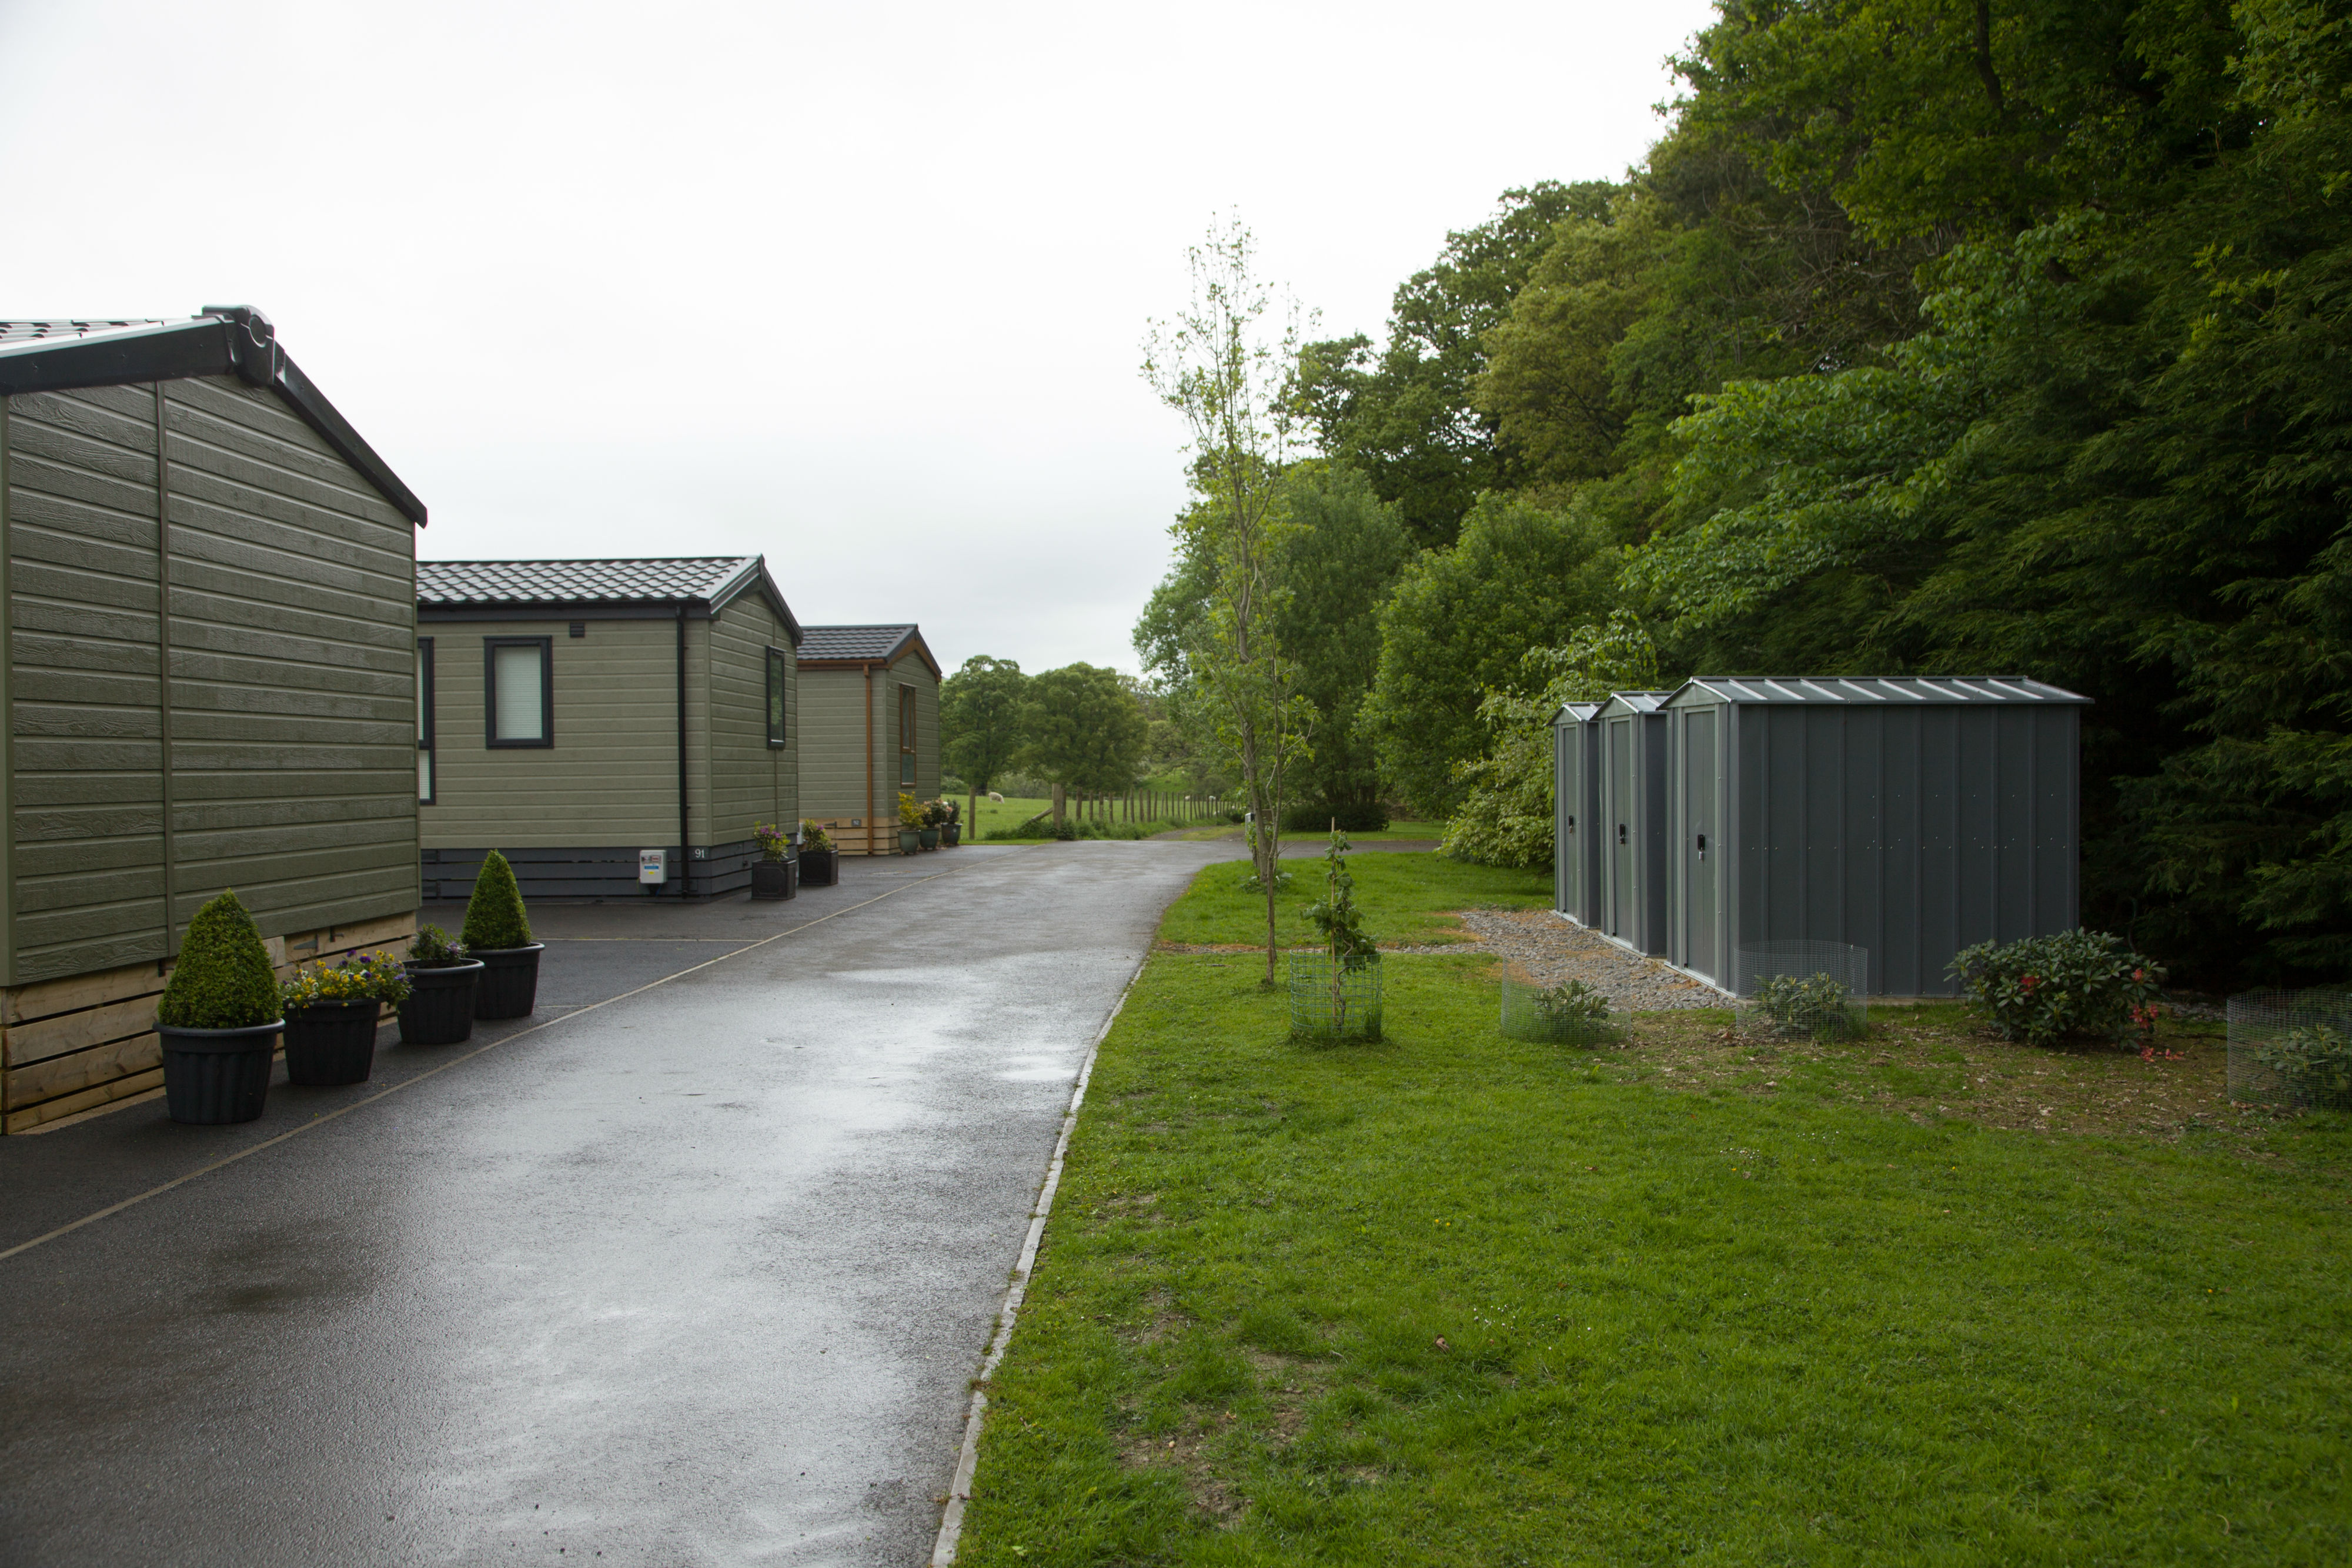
[875, 838]
[72, 1044]
[603, 873]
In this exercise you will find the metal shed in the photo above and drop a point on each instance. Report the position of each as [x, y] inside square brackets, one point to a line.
[1635, 772]
[1910, 817]
[576, 714]
[1576, 813]
[205, 614]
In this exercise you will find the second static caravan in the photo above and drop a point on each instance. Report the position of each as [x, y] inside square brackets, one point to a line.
[1909, 817]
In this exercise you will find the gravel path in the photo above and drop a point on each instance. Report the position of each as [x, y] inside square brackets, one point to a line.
[1547, 949]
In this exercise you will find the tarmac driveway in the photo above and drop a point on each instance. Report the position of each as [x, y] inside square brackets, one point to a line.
[694, 1273]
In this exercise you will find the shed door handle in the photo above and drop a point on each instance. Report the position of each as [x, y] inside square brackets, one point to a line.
[1621, 832]
[1702, 846]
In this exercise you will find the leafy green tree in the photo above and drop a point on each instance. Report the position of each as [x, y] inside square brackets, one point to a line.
[1085, 728]
[981, 715]
[1217, 365]
[1459, 624]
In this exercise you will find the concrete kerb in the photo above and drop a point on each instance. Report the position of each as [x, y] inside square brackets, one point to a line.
[179, 1181]
[968, 1461]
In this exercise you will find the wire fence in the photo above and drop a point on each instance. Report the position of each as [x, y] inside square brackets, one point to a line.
[1569, 1013]
[1334, 1002]
[1804, 990]
[2292, 1049]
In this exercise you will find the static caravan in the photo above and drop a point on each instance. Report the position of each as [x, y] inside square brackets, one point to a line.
[872, 699]
[209, 608]
[1909, 817]
[614, 728]
[1576, 813]
[1633, 775]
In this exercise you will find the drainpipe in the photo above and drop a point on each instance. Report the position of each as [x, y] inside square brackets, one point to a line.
[869, 757]
[685, 851]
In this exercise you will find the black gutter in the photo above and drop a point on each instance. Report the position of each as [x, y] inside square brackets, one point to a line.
[685, 851]
[224, 340]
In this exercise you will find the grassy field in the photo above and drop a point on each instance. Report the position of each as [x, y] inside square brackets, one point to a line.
[1704, 1299]
[1012, 813]
[1405, 895]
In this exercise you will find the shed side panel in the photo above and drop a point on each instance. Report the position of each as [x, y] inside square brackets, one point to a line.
[611, 778]
[1977, 840]
[293, 683]
[1861, 734]
[1897, 956]
[2057, 837]
[85, 693]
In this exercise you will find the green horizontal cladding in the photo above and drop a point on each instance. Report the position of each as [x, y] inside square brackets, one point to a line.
[611, 777]
[259, 735]
[833, 757]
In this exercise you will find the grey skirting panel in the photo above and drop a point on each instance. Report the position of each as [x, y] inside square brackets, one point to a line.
[607, 872]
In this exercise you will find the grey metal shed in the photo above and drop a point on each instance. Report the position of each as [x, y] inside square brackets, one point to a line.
[1576, 813]
[1910, 817]
[1634, 773]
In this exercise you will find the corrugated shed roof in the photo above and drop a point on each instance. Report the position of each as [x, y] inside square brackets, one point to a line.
[53, 331]
[854, 644]
[1637, 702]
[1879, 691]
[662, 579]
[1575, 713]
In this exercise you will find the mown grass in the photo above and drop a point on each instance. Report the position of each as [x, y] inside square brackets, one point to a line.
[1406, 896]
[998, 818]
[1457, 1300]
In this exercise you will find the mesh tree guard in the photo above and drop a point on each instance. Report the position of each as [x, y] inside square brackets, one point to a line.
[2292, 1049]
[1804, 990]
[1568, 1013]
[1334, 1002]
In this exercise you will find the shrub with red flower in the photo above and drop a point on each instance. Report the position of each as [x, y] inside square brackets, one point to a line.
[2081, 983]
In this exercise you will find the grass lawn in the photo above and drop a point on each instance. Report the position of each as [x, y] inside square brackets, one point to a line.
[1405, 895]
[1454, 1299]
[1012, 813]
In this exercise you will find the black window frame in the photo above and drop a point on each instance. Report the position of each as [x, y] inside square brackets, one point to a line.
[424, 721]
[778, 714]
[491, 737]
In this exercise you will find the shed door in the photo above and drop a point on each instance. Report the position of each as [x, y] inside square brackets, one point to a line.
[1703, 852]
[1620, 812]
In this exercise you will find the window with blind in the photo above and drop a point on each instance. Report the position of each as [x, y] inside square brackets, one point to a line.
[777, 671]
[424, 721]
[519, 690]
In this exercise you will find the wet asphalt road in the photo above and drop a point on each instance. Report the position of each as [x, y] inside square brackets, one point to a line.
[697, 1275]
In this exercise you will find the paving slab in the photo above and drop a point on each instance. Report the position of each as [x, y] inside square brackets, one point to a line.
[694, 1273]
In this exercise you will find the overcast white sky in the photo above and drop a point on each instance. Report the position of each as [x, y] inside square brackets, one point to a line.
[860, 289]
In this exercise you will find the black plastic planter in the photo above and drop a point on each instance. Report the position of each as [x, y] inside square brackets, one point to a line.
[329, 1043]
[774, 879]
[820, 868]
[440, 1005]
[509, 981]
[213, 1077]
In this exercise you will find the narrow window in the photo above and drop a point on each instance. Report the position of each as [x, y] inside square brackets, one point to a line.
[906, 738]
[518, 692]
[777, 670]
[424, 721]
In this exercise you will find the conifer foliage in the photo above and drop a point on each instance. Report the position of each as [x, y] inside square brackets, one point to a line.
[494, 915]
[223, 979]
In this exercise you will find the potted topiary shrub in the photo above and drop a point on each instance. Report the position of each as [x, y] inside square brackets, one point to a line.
[910, 824]
[441, 984]
[771, 874]
[820, 862]
[497, 932]
[219, 1019]
[330, 1018]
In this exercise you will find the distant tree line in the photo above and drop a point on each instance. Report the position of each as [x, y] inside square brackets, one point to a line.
[1931, 339]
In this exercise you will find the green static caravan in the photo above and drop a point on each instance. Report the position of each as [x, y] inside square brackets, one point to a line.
[1576, 813]
[872, 698]
[209, 604]
[1910, 816]
[616, 729]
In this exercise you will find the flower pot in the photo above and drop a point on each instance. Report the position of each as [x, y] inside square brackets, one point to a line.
[951, 835]
[329, 1043]
[213, 1077]
[909, 840]
[820, 868]
[774, 879]
[930, 837]
[509, 981]
[440, 1005]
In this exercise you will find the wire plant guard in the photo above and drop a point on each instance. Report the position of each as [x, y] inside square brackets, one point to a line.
[1568, 1013]
[1335, 991]
[2292, 1049]
[1804, 990]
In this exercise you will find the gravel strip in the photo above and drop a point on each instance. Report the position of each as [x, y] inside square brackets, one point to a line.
[1548, 948]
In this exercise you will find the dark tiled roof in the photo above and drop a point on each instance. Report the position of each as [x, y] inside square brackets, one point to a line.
[859, 644]
[664, 580]
[52, 332]
[1880, 691]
